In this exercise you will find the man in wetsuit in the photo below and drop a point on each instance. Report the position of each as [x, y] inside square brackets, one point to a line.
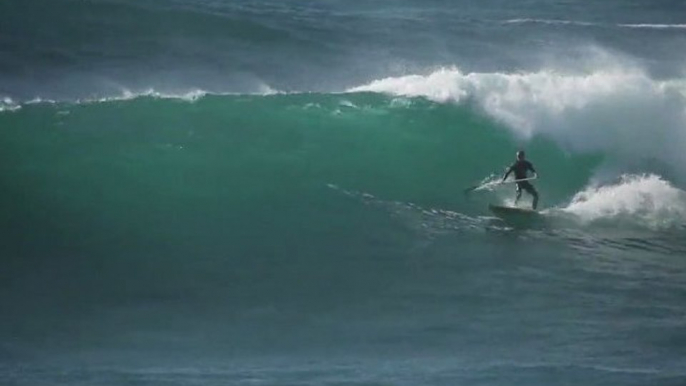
[520, 168]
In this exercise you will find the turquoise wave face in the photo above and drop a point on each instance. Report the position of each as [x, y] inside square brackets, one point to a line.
[150, 195]
[269, 225]
[141, 181]
[224, 150]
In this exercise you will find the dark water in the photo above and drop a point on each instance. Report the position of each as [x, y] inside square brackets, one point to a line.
[271, 193]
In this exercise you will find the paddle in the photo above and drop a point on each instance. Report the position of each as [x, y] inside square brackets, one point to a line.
[493, 183]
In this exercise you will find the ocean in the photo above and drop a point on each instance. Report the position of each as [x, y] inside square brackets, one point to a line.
[206, 192]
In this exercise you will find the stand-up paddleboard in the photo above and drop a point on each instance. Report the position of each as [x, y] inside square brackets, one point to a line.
[518, 217]
[511, 210]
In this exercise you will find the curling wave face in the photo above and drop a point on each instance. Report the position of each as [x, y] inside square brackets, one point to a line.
[621, 112]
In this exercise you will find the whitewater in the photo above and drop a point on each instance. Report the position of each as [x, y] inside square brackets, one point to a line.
[273, 193]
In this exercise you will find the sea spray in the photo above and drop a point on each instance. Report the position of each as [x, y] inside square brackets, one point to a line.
[634, 200]
[619, 111]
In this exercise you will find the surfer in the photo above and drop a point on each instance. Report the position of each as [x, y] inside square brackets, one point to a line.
[520, 168]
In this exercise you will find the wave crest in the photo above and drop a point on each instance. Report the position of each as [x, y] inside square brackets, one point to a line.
[580, 23]
[7, 104]
[621, 112]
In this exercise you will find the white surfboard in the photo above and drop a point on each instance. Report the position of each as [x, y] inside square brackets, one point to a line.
[511, 210]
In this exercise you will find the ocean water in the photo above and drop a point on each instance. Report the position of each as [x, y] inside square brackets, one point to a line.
[204, 192]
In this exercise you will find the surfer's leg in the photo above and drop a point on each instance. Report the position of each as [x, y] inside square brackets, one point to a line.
[519, 194]
[532, 191]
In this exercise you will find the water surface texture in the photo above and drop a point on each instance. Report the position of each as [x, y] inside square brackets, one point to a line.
[198, 192]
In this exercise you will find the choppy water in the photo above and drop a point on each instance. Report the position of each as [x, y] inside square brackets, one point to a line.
[212, 193]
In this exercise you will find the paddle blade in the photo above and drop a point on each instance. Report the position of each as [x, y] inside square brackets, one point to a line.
[471, 189]
[482, 186]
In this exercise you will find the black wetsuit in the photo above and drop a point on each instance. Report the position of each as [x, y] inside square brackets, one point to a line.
[520, 168]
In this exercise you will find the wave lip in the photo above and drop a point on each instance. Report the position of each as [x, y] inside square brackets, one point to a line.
[7, 104]
[189, 95]
[193, 95]
[549, 21]
[591, 24]
[616, 110]
[654, 26]
[643, 200]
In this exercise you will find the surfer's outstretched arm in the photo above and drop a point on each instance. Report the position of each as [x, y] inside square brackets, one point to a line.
[507, 173]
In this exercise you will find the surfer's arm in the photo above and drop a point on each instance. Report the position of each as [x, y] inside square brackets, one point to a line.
[531, 167]
[507, 173]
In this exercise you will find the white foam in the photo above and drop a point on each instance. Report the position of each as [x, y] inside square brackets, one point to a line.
[7, 104]
[643, 200]
[549, 21]
[613, 107]
[654, 26]
[126, 94]
[591, 24]
[190, 95]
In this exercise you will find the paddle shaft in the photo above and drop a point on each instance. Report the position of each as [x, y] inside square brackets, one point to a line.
[498, 183]
[520, 180]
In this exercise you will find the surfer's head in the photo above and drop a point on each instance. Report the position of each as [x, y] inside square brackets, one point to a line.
[521, 155]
